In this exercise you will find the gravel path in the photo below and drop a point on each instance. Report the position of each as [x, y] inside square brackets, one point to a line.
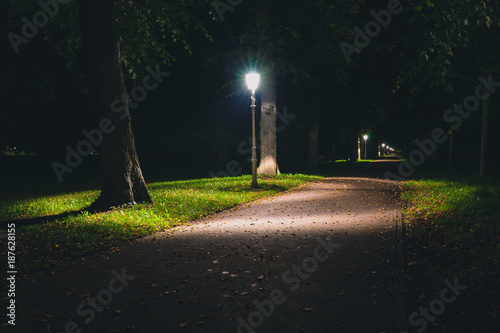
[320, 258]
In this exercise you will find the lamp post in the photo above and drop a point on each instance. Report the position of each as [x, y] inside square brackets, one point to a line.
[383, 149]
[366, 138]
[252, 83]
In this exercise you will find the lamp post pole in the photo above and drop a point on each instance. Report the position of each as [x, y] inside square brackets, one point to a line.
[252, 83]
[254, 145]
[365, 149]
[366, 138]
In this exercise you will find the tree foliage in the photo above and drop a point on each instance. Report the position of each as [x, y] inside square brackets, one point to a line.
[451, 40]
[151, 31]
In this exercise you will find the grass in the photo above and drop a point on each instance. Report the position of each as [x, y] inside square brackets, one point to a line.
[176, 202]
[358, 161]
[453, 231]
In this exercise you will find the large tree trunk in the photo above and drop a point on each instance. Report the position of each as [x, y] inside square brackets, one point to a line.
[312, 156]
[219, 105]
[484, 136]
[354, 145]
[220, 132]
[268, 141]
[334, 144]
[268, 165]
[450, 151]
[122, 176]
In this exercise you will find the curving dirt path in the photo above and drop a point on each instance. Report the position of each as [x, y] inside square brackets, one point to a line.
[320, 258]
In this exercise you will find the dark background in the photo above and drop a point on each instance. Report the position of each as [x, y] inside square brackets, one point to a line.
[45, 106]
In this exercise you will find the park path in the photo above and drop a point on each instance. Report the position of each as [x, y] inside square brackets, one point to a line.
[319, 258]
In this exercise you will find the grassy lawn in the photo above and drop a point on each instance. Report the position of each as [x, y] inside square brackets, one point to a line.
[176, 202]
[453, 231]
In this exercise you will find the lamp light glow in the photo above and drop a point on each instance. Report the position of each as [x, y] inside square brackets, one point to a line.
[252, 80]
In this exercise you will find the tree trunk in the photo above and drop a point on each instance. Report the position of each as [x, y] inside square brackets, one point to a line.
[360, 153]
[123, 182]
[450, 152]
[268, 165]
[312, 157]
[220, 132]
[268, 141]
[354, 146]
[333, 142]
[484, 136]
[435, 155]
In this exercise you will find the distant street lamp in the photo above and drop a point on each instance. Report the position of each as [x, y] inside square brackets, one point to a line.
[252, 83]
[366, 138]
[383, 149]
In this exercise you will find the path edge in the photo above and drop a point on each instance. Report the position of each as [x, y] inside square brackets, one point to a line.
[400, 308]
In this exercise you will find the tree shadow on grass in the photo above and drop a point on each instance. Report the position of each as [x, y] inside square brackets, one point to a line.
[48, 218]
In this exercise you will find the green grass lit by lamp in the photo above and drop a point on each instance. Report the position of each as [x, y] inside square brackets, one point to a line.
[43, 245]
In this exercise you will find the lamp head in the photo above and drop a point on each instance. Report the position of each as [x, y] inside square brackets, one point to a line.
[252, 80]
